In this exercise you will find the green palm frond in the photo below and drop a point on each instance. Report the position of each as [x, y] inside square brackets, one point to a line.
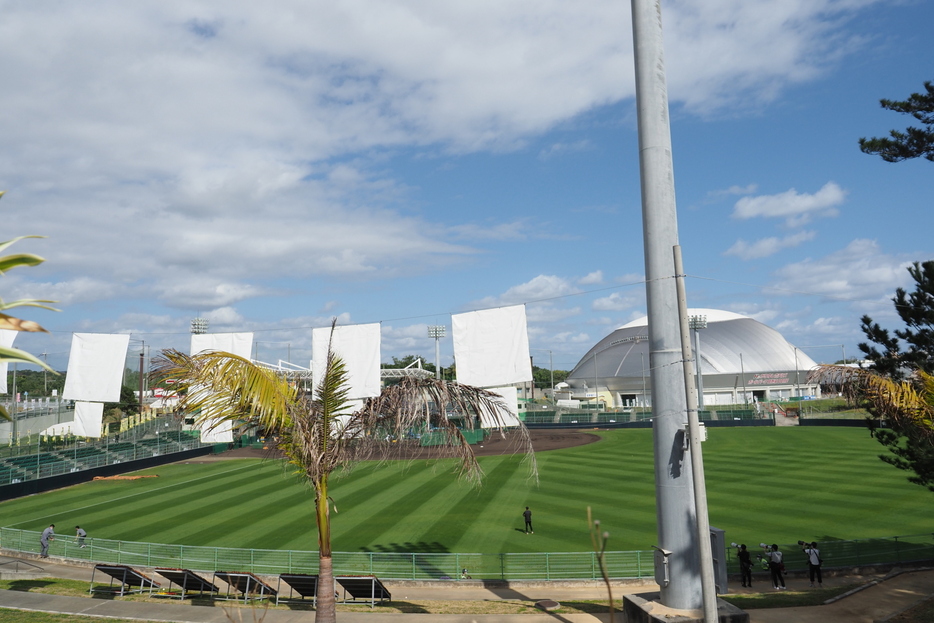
[223, 386]
[14, 354]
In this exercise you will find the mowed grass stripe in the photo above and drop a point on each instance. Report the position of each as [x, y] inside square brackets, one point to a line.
[174, 506]
[110, 495]
[454, 506]
[764, 484]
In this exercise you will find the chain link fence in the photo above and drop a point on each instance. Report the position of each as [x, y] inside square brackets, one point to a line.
[386, 565]
[446, 566]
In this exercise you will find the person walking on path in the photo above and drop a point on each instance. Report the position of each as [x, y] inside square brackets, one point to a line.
[745, 565]
[48, 535]
[814, 563]
[80, 535]
[775, 566]
[527, 515]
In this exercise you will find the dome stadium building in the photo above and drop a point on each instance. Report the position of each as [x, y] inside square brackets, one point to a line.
[742, 362]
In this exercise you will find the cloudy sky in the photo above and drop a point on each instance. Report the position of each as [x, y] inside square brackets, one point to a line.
[270, 166]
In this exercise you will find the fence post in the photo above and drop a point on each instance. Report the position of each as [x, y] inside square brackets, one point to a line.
[897, 553]
[502, 566]
[413, 566]
[593, 565]
[149, 555]
[856, 547]
[371, 563]
[547, 566]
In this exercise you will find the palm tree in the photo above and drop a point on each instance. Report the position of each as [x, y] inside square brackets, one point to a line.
[907, 406]
[319, 433]
[9, 262]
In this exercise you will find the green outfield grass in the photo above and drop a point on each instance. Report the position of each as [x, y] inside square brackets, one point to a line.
[765, 484]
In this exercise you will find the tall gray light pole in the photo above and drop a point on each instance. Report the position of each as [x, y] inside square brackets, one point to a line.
[697, 323]
[437, 331]
[674, 484]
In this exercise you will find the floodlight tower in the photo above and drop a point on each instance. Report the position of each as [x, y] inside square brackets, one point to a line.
[199, 326]
[697, 323]
[437, 331]
[677, 563]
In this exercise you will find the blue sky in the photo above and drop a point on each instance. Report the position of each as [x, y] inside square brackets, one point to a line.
[399, 161]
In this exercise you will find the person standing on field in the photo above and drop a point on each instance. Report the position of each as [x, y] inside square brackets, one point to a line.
[527, 515]
[814, 563]
[775, 566]
[745, 565]
[48, 535]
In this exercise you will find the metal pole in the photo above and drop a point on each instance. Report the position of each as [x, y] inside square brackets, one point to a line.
[700, 374]
[141, 358]
[14, 414]
[708, 584]
[797, 384]
[742, 370]
[673, 484]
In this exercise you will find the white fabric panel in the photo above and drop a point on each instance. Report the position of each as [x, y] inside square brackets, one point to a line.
[95, 367]
[6, 341]
[510, 417]
[491, 347]
[358, 345]
[89, 418]
[239, 344]
[222, 433]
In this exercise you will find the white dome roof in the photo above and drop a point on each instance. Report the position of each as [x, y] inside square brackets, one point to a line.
[731, 344]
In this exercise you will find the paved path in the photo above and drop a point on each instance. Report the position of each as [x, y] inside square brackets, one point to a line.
[882, 598]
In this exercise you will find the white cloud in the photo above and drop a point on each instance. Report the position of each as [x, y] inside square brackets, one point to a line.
[860, 272]
[767, 246]
[540, 288]
[617, 301]
[796, 208]
[593, 278]
[560, 149]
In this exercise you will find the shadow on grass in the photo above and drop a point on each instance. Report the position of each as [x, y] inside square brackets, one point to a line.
[27, 585]
[786, 599]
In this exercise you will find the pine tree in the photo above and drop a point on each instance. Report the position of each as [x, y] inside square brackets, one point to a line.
[913, 142]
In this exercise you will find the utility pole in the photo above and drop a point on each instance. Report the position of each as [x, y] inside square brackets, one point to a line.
[674, 486]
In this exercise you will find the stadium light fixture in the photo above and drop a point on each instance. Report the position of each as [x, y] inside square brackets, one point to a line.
[437, 331]
[697, 323]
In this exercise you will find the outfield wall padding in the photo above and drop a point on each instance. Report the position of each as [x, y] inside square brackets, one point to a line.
[40, 485]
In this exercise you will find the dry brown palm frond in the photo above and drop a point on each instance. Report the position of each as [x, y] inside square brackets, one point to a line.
[908, 401]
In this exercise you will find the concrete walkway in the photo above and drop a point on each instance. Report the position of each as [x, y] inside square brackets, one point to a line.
[882, 598]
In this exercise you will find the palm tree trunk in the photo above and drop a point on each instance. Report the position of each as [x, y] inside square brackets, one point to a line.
[326, 611]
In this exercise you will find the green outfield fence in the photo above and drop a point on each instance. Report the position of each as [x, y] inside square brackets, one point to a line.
[856, 553]
[447, 566]
[386, 565]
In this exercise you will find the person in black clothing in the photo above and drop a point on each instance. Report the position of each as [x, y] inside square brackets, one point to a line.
[745, 565]
[527, 515]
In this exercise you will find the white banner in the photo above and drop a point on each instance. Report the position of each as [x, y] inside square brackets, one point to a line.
[6, 341]
[89, 418]
[221, 433]
[509, 416]
[239, 344]
[491, 347]
[95, 367]
[358, 345]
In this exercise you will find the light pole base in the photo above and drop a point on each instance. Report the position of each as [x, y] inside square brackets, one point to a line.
[646, 608]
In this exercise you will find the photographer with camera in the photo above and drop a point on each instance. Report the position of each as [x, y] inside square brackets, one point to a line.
[814, 562]
[776, 566]
[745, 564]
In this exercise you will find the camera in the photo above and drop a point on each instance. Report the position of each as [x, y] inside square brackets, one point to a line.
[801, 543]
[764, 546]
